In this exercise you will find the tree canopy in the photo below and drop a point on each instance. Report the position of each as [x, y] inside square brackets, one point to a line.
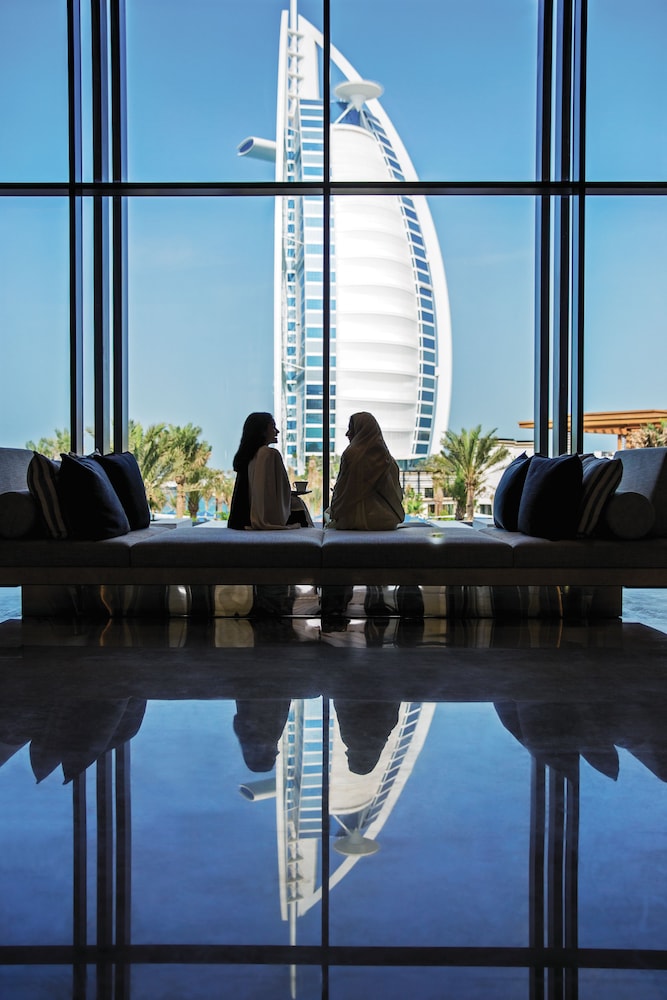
[464, 463]
[168, 455]
[648, 436]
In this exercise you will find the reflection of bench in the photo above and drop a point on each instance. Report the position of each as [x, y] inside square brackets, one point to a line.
[452, 555]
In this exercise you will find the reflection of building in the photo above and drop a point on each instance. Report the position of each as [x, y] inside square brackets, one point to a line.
[390, 326]
[359, 803]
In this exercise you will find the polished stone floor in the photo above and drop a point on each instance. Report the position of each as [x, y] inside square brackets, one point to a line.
[351, 809]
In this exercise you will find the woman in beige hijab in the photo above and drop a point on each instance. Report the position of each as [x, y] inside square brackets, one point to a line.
[367, 495]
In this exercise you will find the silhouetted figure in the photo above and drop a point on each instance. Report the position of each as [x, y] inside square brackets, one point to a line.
[259, 726]
[367, 495]
[263, 499]
[364, 728]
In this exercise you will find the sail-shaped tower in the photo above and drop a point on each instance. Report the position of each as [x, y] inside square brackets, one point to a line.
[390, 332]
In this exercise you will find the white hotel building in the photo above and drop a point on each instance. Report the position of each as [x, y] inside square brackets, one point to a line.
[390, 331]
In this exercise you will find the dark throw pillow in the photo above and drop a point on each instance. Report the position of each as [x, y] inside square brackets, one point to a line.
[90, 504]
[43, 475]
[123, 471]
[551, 497]
[19, 514]
[508, 493]
[601, 477]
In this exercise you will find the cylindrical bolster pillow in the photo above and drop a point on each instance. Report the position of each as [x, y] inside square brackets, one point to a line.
[18, 514]
[627, 515]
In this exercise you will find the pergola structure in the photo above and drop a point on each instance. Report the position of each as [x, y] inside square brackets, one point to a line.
[618, 422]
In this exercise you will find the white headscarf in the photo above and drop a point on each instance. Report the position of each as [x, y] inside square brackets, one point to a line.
[363, 464]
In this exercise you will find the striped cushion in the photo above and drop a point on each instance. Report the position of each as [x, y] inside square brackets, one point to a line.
[42, 483]
[601, 477]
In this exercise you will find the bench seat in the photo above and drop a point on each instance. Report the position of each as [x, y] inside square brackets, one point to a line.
[414, 554]
[595, 561]
[194, 564]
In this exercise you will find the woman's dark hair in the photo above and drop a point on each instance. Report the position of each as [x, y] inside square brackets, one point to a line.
[253, 437]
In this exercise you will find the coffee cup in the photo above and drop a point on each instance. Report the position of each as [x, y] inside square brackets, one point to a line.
[301, 485]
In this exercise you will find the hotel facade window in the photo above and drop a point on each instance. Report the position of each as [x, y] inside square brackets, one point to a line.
[456, 218]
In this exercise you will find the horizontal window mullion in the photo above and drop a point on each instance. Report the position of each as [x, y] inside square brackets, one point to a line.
[184, 189]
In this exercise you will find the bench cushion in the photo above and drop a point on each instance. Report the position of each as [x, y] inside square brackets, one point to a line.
[53, 552]
[415, 545]
[531, 552]
[211, 547]
[69, 552]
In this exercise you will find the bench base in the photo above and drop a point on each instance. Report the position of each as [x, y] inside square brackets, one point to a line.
[280, 600]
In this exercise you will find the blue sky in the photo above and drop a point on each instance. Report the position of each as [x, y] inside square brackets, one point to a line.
[459, 87]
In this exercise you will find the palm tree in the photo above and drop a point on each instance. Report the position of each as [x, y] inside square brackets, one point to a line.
[151, 448]
[413, 502]
[52, 447]
[446, 485]
[219, 485]
[315, 485]
[188, 457]
[468, 457]
[194, 498]
[648, 436]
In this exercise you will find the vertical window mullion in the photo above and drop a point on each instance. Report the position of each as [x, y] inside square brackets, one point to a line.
[119, 232]
[101, 305]
[562, 231]
[577, 374]
[543, 228]
[326, 259]
[580, 32]
[536, 871]
[75, 223]
[561, 324]
[542, 314]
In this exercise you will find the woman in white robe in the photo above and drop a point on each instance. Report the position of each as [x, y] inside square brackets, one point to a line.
[367, 495]
[263, 499]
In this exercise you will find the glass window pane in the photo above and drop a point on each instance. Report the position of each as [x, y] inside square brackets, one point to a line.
[627, 79]
[436, 338]
[228, 823]
[34, 318]
[36, 835]
[396, 983]
[623, 910]
[458, 83]
[626, 304]
[198, 85]
[33, 89]
[487, 246]
[388, 314]
[201, 982]
[201, 315]
[448, 868]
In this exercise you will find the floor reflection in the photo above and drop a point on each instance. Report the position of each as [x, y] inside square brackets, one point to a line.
[277, 808]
